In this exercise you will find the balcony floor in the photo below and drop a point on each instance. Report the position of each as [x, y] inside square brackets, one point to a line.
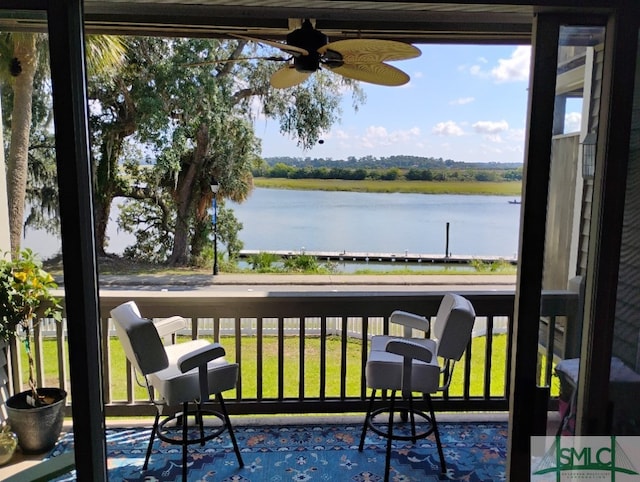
[317, 445]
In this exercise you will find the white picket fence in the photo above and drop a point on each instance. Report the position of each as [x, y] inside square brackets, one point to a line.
[249, 327]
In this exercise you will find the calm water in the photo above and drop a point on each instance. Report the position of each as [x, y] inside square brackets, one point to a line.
[374, 222]
[371, 222]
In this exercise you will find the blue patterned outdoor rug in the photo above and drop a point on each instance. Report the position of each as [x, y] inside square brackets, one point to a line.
[309, 453]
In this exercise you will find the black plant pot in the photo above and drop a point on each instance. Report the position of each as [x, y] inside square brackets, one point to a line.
[37, 428]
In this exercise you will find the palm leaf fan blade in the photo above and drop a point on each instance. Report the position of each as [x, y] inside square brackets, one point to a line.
[291, 49]
[380, 74]
[288, 77]
[368, 51]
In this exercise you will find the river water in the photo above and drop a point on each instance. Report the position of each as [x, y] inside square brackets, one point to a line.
[293, 220]
[379, 222]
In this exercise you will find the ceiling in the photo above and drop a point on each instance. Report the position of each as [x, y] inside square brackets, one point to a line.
[409, 21]
[413, 21]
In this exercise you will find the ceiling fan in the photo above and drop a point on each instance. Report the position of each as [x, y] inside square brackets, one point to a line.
[358, 59]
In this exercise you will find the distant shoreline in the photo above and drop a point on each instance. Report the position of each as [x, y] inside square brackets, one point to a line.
[488, 188]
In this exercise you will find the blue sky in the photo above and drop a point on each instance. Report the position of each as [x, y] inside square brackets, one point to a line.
[466, 103]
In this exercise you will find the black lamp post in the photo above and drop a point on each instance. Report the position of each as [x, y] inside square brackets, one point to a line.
[214, 189]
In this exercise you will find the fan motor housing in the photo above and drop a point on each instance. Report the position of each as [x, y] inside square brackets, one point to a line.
[311, 40]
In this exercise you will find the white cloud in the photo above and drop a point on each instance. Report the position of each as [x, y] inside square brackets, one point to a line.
[462, 101]
[515, 68]
[379, 136]
[490, 127]
[448, 128]
[407, 135]
[572, 121]
[374, 140]
[477, 71]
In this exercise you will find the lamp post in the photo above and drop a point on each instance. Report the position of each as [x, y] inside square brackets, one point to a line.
[214, 189]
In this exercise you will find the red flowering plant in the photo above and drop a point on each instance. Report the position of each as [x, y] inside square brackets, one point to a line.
[25, 297]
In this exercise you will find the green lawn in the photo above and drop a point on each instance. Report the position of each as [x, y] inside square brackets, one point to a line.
[312, 367]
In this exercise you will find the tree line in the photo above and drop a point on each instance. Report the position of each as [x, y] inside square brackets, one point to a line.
[372, 172]
[399, 161]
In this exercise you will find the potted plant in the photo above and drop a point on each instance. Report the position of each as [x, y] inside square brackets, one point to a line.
[35, 415]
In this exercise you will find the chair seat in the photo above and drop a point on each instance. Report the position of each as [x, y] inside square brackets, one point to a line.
[177, 387]
[384, 371]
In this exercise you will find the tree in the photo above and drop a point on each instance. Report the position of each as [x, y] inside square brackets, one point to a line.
[194, 121]
[22, 67]
[41, 194]
[25, 65]
[391, 174]
[228, 230]
[206, 139]
[280, 170]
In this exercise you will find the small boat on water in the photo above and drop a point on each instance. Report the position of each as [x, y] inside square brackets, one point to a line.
[515, 201]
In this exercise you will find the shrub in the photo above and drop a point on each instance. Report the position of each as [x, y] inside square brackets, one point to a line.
[304, 263]
[262, 262]
[490, 266]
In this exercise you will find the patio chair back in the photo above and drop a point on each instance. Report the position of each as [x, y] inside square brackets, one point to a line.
[140, 340]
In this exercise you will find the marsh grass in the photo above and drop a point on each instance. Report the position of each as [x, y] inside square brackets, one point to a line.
[505, 188]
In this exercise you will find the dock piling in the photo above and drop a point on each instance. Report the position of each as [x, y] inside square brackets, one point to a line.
[446, 246]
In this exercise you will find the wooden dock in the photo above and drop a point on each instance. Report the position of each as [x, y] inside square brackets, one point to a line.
[403, 257]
